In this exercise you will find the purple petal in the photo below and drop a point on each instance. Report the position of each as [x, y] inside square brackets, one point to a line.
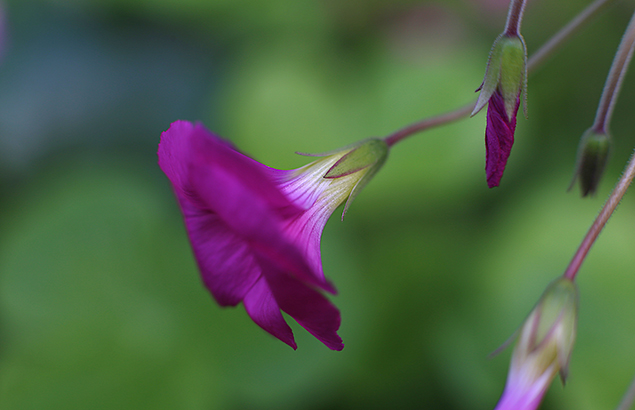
[226, 261]
[174, 155]
[208, 173]
[265, 312]
[499, 138]
[306, 231]
[306, 305]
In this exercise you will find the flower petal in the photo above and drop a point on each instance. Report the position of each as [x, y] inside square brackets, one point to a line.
[226, 261]
[174, 155]
[499, 138]
[265, 312]
[306, 305]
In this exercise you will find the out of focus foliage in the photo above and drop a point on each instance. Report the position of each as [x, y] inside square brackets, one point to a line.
[101, 306]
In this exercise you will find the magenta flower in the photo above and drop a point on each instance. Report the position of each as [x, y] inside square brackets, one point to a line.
[255, 231]
[505, 79]
[544, 347]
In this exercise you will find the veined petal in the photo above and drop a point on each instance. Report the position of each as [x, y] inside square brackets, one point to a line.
[303, 186]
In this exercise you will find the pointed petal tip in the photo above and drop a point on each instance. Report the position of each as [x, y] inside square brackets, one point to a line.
[293, 345]
[494, 180]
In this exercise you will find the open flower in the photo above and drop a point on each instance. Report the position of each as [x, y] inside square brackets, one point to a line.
[255, 231]
[544, 347]
[505, 79]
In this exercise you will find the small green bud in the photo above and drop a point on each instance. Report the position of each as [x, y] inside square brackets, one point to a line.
[593, 153]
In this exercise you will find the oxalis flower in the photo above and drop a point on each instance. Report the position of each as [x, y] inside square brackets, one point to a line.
[255, 231]
[543, 348]
[505, 78]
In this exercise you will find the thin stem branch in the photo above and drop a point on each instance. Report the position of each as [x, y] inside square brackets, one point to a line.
[629, 398]
[533, 63]
[565, 33]
[614, 79]
[514, 17]
[429, 122]
[602, 218]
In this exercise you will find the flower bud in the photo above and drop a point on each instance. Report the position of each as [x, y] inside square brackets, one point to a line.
[544, 347]
[593, 153]
[507, 71]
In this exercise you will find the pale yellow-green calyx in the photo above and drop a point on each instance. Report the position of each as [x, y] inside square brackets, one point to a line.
[363, 160]
[338, 176]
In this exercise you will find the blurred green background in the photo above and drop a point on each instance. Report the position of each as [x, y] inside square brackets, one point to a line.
[101, 305]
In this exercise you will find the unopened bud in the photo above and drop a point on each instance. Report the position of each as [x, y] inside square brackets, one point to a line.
[593, 153]
[544, 347]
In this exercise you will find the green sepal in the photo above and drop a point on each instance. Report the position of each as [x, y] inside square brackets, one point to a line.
[367, 154]
[513, 71]
[506, 71]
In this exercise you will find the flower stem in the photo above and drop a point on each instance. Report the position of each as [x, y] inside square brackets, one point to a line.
[602, 218]
[629, 398]
[560, 38]
[614, 79]
[429, 122]
[514, 17]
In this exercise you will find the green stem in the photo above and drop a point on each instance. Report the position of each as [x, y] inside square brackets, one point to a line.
[614, 79]
[514, 18]
[534, 62]
[602, 218]
[602, 120]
